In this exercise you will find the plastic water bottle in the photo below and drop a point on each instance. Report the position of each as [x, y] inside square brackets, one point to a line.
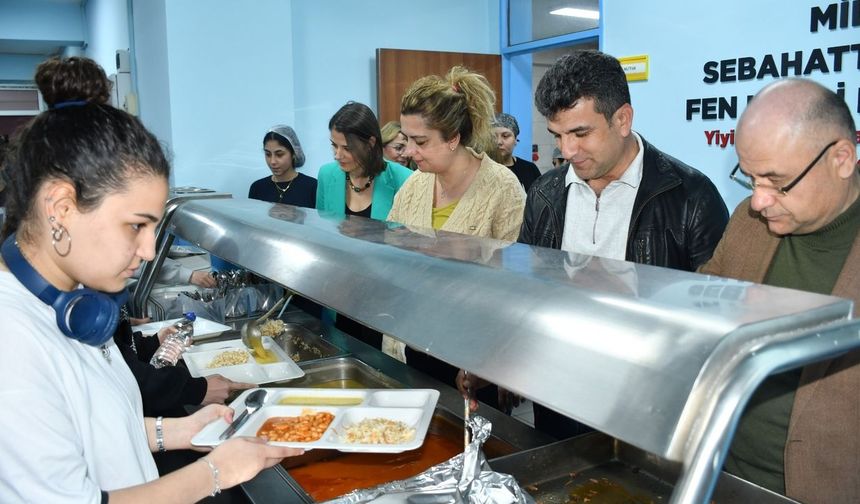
[175, 344]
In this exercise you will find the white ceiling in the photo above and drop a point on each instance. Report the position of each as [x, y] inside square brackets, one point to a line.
[545, 25]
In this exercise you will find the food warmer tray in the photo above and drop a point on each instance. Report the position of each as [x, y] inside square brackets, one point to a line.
[661, 359]
[599, 469]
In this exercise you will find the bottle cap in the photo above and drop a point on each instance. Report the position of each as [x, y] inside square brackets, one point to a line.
[190, 316]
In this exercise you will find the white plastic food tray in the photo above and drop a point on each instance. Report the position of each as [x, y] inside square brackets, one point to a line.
[198, 357]
[413, 407]
[203, 328]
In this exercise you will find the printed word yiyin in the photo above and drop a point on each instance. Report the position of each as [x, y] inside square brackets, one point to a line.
[718, 138]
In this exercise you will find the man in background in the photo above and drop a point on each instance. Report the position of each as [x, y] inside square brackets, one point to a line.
[796, 142]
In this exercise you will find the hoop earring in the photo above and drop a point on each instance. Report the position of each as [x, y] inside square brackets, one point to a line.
[58, 231]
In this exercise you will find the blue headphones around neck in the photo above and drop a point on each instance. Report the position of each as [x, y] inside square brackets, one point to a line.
[86, 315]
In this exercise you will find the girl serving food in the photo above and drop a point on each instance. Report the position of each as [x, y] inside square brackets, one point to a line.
[90, 184]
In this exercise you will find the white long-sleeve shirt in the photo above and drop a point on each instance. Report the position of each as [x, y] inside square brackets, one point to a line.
[72, 421]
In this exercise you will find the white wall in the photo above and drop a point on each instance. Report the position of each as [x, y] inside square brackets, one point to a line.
[681, 37]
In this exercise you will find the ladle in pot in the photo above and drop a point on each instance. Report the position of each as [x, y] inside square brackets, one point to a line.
[252, 337]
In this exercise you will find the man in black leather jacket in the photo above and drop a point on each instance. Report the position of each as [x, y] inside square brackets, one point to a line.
[678, 215]
[660, 211]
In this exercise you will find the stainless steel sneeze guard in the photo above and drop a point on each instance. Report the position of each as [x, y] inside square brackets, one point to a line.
[661, 359]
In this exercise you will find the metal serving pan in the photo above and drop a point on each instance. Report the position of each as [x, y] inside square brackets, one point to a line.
[598, 469]
[302, 345]
[342, 372]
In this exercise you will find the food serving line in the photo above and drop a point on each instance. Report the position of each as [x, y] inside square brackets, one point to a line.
[661, 362]
[330, 358]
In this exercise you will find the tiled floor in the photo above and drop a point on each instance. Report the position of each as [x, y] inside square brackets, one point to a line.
[524, 413]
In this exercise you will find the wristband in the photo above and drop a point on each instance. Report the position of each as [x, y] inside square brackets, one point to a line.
[216, 489]
[159, 434]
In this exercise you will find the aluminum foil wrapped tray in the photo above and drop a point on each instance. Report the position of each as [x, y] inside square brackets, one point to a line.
[466, 478]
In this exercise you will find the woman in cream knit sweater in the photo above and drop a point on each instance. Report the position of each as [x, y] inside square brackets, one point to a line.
[491, 206]
[457, 187]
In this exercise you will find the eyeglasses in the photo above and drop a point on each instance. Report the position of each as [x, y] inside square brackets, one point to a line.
[398, 147]
[746, 181]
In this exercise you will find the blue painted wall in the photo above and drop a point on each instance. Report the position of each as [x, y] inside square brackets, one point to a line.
[29, 29]
[151, 68]
[680, 37]
[212, 80]
[18, 68]
[232, 72]
[335, 45]
[42, 21]
[107, 31]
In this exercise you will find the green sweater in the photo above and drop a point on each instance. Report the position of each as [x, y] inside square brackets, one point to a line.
[810, 262]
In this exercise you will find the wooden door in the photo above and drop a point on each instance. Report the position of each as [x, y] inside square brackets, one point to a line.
[397, 69]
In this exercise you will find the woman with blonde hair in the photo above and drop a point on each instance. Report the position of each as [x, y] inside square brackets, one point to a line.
[458, 187]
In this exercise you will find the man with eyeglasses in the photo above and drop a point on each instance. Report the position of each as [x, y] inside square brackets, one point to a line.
[796, 145]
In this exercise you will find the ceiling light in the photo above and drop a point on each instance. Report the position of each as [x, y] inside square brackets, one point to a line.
[580, 13]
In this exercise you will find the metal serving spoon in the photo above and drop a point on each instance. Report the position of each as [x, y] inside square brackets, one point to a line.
[251, 334]
[252, 403]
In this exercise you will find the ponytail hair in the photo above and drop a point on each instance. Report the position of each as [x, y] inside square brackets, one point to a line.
[460, 103]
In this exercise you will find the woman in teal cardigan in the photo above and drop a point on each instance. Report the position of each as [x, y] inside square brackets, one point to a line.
[360, 181]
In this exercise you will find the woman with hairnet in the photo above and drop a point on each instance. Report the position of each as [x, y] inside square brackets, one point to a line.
[285, 185]
[506, 130]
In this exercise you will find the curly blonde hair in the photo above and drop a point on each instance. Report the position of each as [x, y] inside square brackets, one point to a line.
[461, 103]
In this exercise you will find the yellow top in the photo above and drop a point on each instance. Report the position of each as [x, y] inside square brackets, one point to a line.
[440, 215]
[491, 207]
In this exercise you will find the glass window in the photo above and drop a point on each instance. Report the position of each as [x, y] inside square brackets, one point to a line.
[530, 20]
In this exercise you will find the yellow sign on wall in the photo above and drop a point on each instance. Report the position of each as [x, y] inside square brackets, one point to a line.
[636, 67]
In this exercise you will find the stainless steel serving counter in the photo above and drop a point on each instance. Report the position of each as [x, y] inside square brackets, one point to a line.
[661, 359]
